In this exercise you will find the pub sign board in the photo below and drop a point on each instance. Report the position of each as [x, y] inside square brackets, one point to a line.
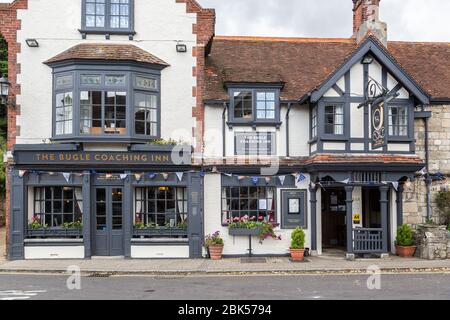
[255, 143]
[92, 158]
[378, 124]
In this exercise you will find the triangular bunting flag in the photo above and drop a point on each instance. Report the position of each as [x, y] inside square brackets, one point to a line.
[395, 185]
[255, 180]
[138, 176]
[152, 175]
[282, 178]
[123, 176]
[22, 173]
[165, 175]
[202, 173]
[179, 175]
[241, 178]
[301, 177]
[268, 179]
[346, 181]
[66, 176]
[108, 176]
[228, 174]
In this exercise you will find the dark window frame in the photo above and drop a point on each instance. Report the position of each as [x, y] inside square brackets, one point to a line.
[254, 120]
[396, 127]
[145, 214]
[334, 124]
[314, 132]
[107, 29]
[41, 203]
[227, 214]
[130, 71]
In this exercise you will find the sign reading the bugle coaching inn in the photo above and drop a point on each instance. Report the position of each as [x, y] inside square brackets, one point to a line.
[92, 158]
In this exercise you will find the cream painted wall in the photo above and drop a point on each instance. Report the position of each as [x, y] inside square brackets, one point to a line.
[298, 131]
[158, 23]
[239, 245]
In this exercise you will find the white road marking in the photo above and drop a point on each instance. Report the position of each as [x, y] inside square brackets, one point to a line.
[19, 294]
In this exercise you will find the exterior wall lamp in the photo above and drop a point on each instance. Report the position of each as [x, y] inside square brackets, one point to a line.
[32, 43]
[4, 92]
[181, 48]
[368, 59]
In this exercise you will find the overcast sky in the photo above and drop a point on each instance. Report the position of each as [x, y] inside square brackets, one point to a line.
[411, 20]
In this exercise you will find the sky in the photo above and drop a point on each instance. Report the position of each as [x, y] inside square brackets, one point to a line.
[408, 20]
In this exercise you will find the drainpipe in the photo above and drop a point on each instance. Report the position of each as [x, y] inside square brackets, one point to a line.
[224, 129]
[428, 180]
[287, 129]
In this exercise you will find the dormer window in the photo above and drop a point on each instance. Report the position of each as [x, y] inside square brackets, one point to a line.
[108, 16]
[254, 106]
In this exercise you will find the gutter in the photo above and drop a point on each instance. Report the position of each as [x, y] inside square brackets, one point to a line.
[225, 107]
[287, 129]
[428, 180]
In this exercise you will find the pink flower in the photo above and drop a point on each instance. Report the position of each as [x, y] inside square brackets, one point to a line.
[261, 218]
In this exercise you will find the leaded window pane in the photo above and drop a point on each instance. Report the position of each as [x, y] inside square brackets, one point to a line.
[398, 121]
[253, 203]
[62, 205]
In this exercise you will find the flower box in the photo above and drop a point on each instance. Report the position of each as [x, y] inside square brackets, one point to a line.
[244, 232]
[160, 232]
[54, 233]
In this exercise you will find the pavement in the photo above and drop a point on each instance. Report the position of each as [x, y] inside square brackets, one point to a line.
[327, 264]
[249, 288]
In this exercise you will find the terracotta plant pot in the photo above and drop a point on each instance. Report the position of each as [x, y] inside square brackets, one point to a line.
[215, 252]
[297, 254]
[405, 252]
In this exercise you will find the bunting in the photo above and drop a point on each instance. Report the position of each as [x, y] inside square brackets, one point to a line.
[179, 176]
[282, 179]
[67, 175]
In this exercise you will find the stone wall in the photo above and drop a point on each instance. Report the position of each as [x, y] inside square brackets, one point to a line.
[432, 242]
[415, 210]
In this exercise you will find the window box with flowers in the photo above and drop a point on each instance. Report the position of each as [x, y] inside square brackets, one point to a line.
[253, 226]
[68, 230]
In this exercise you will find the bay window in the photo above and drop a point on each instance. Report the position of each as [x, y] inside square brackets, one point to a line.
[255, 203]
[106, 105]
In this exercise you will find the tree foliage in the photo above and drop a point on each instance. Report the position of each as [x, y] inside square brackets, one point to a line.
[3, 57]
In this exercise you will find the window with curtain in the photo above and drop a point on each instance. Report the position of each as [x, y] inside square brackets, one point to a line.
[64, 113]
[334, 119]
[257, 203]
[161, 206]
[55, 206]
[243, 104]
[398, 121]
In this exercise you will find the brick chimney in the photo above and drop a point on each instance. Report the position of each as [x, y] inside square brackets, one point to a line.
[366, 20]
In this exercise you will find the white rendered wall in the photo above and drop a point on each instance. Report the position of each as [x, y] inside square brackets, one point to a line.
[239, 245]
[56, 252]
[55, 24]
[166, 252]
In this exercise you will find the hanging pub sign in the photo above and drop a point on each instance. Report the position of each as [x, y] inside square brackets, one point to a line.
[378, 127]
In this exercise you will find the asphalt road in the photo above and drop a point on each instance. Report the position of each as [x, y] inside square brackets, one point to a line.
[307, 287]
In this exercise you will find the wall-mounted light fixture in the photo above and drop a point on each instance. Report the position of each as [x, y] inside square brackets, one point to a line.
[181, 47]
[32, 43]
[368, 59]
[4, 92]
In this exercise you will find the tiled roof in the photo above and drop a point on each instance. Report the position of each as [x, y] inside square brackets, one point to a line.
[304, 63]
[116, 52]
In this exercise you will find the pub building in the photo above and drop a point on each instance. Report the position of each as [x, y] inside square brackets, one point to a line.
[316, 133]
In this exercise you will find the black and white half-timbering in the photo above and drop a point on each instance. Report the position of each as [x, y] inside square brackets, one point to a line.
[137, 134]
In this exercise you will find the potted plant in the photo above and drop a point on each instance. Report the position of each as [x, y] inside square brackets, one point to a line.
[214, 245]
[297, 248]
[404, 242]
